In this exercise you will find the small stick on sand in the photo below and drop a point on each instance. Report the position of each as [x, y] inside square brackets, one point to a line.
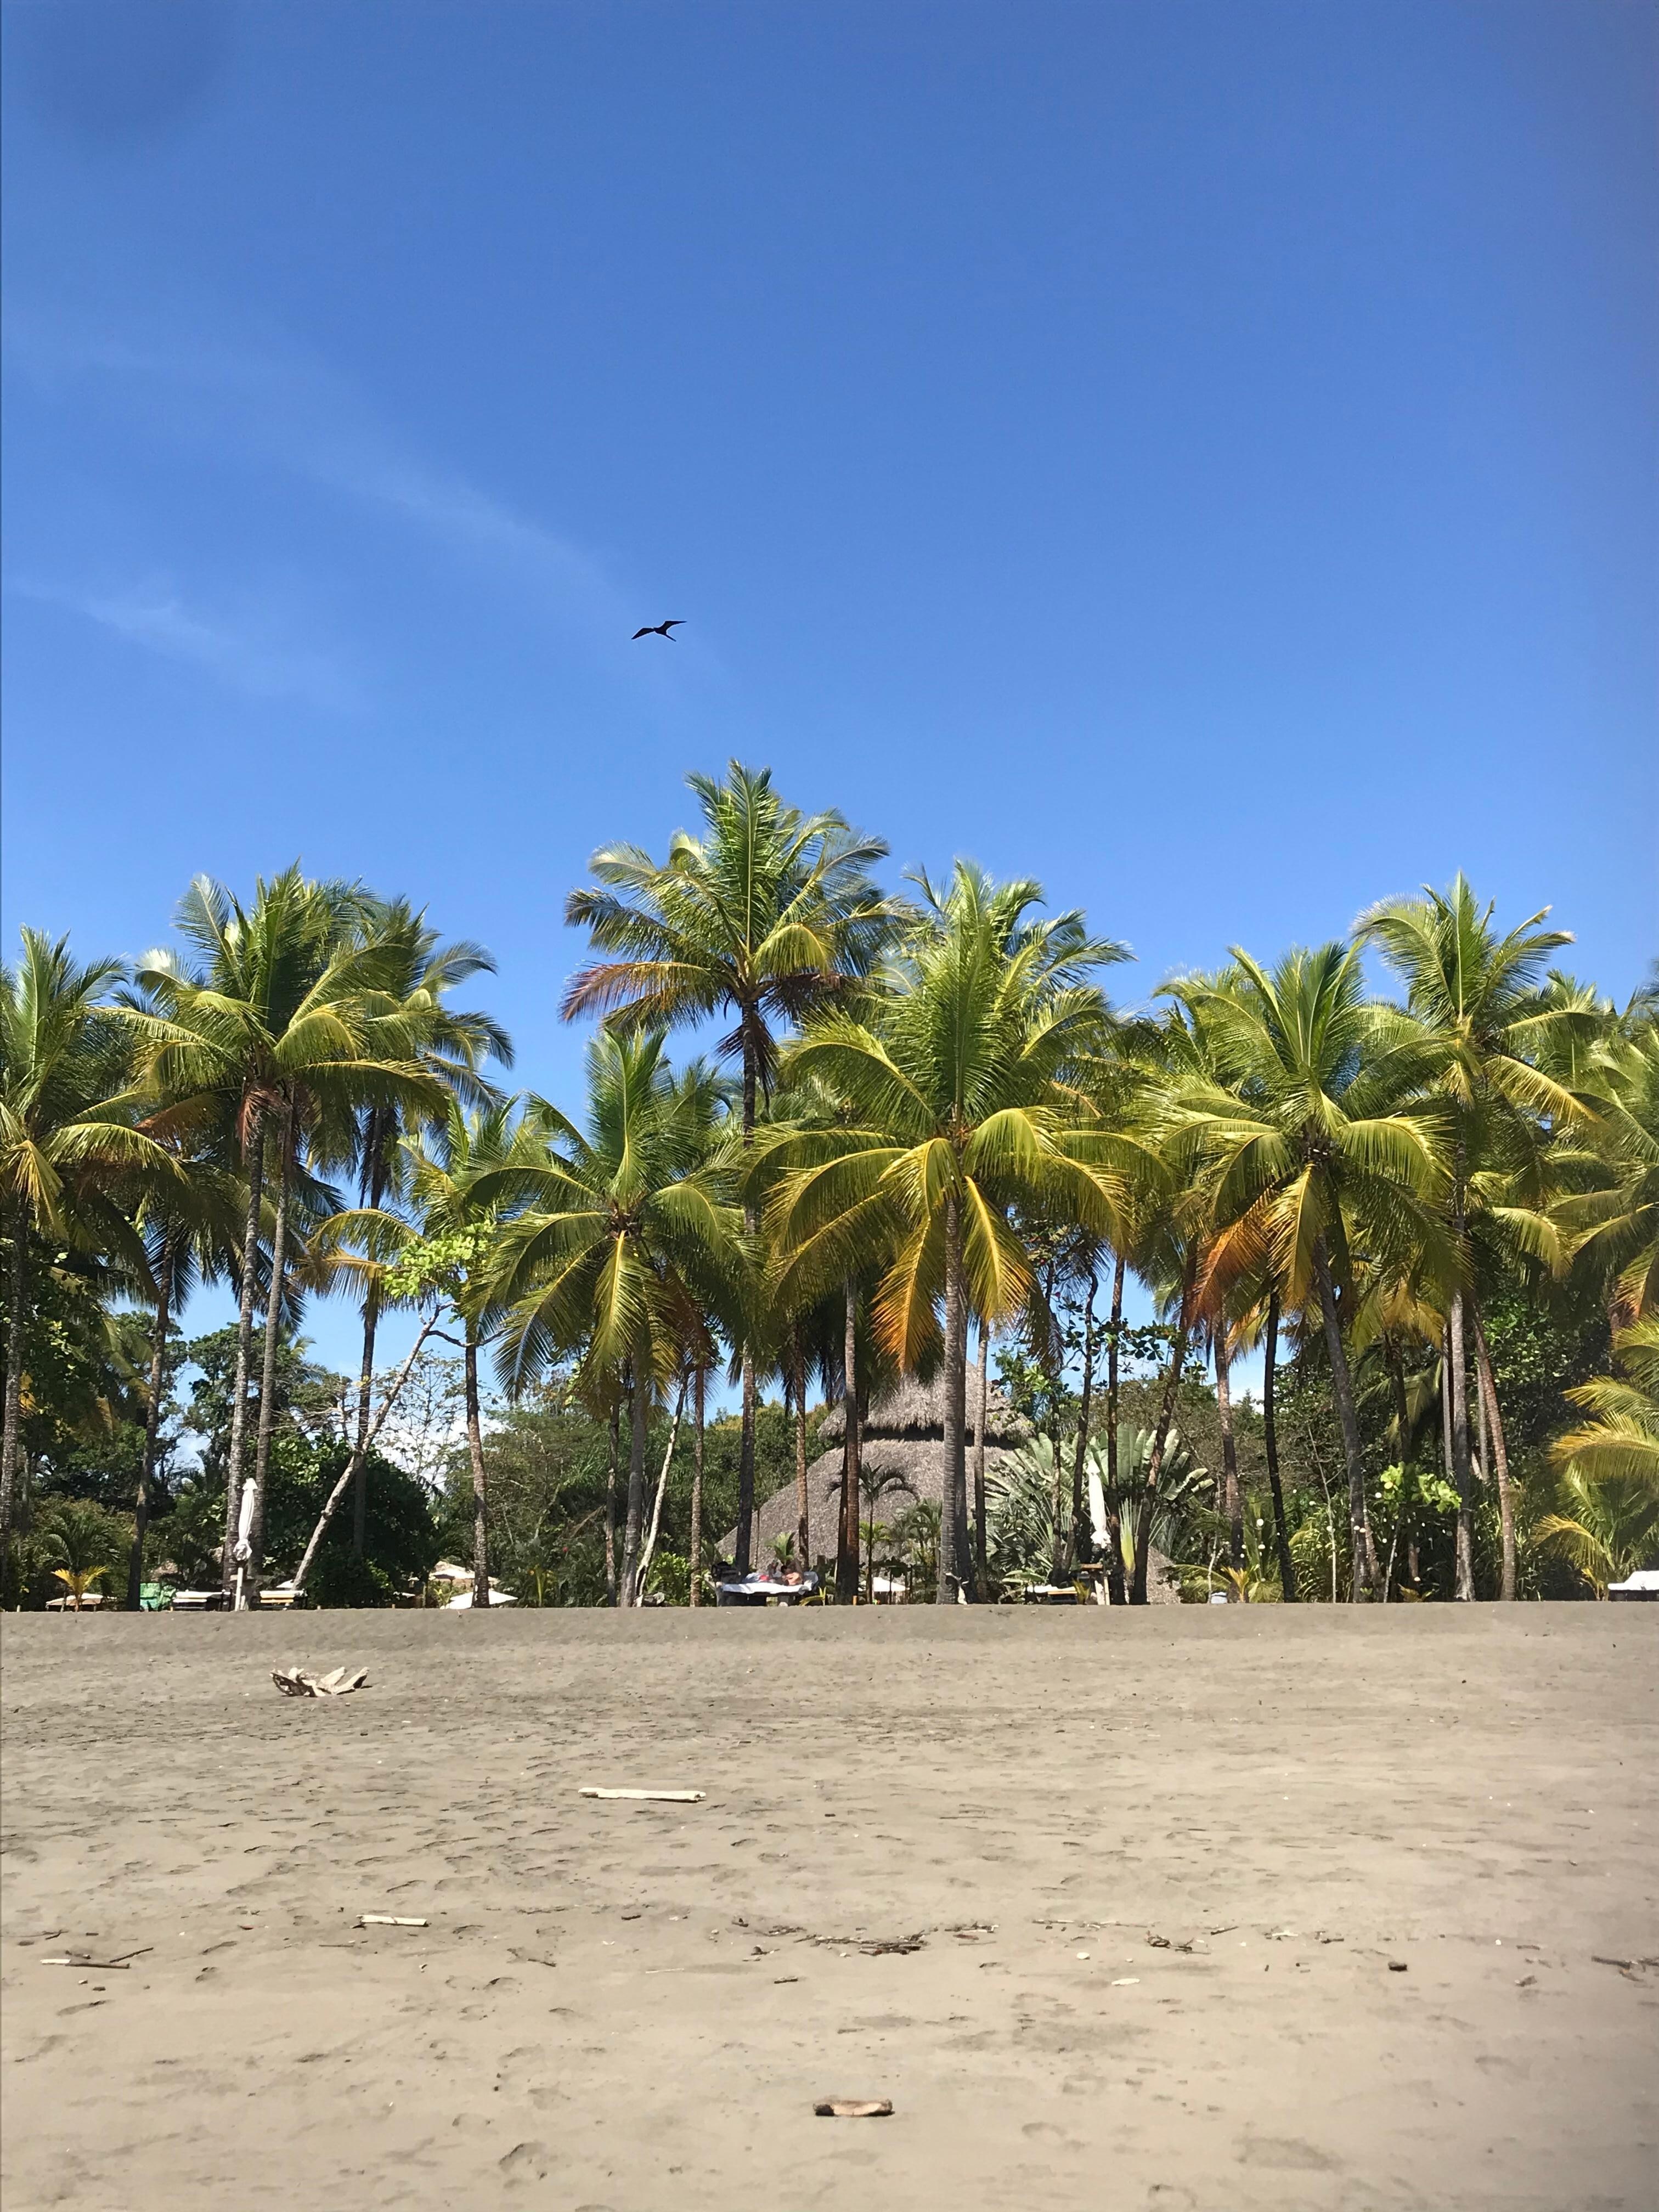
[388, 1920]
[651, 1796]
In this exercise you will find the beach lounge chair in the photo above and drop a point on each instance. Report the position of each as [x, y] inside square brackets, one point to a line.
[205, 1601]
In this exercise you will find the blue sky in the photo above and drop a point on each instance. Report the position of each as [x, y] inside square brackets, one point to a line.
[1202, 456]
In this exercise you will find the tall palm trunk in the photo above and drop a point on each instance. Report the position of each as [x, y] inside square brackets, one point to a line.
[1462, 1467]
[610, 1508]
[365, 1377]
[1232, 1495]
[1403, 1422]
[1081, 1545]
[17, 1297]
[1114, 1589]
[1165, 1416]
[751, 1223]
[474, 1450]
[365, 1394]
[954, 1572]
[1359, 1521]
[803, 1501]
[254, 1153]
[982, 1564]
[268, 1378]
[696, 1494]
[158, 1367]
[1270, 1440]
[846, 1542]
[1500, 1455]
[638, 1418]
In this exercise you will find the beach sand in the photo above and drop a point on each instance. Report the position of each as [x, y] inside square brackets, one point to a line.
[1161, 1867]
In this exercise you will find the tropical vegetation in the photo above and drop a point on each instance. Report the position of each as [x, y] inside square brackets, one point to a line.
[1409, 1180]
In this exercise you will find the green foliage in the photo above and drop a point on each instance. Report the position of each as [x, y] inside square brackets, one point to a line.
[401, 1545]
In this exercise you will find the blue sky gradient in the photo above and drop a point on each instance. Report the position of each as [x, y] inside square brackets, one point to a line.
[1201, 455]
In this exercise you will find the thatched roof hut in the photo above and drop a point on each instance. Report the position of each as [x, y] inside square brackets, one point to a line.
[902, 1444]
[902, 1447]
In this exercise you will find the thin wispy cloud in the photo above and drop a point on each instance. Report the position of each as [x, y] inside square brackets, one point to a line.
[281, 407]
[249, 654]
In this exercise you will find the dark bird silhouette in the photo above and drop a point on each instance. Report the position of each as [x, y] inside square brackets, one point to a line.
[661, 629]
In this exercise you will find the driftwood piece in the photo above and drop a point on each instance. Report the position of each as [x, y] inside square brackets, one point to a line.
[854, 2108]
[387, 1920]
[651, 1796]
[297, 1682]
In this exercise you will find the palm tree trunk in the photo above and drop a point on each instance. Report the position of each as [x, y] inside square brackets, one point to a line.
[1402, 1421]
[375, 1139]
[1462, 1470]
[803, 1501]
[640, 1414]
[365, 1393]
[254, 1153]
[981, 1566]
[751, 1223]
[1081, 1545]
[17, 1294]
[158, 1367]
[610, 1508]
[955, 1570]
[267, 1381]
[747, 1470]
[846, 1544]
[1116, 1595]
[1270, 1440]
[1165, 1416]
[1232, 1495]
[1360, 1523]
[696, 1494]
[475, 1449]
[1500, 1455]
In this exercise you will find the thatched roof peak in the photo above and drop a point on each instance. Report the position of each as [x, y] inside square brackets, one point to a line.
[917, 1410]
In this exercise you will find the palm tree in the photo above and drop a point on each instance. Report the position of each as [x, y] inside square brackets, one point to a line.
[461, 1191]
[958, 1079]
[69, 1146]
[627, 1239]
[1311, 1137]
[1615, 1230]
[288, 1027]
[770, 916]
[454, 1045]
[1610, 1469]
[1482, 999]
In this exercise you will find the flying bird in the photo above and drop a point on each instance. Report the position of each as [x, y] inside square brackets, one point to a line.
[660, 629]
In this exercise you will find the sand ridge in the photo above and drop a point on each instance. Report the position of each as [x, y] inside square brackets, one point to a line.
[1110, 1905]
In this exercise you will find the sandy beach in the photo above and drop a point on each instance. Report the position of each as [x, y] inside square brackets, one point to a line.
[1112, 1907]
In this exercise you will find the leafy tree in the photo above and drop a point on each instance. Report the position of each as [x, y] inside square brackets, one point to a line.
[70, 1148]
[1313, 1136]
[1480, 998]
[958, 1080]
[770, 916]
[627, 1237]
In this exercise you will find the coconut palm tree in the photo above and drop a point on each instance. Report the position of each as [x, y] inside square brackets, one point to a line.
[71, 1149]
[454, 1045]
[288, 1026]
[959, 1077]
[770, 916]
[628, 1238]
[1614, 1230]
[1313, 1137]
[1480, 997]
[1608, 1523]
